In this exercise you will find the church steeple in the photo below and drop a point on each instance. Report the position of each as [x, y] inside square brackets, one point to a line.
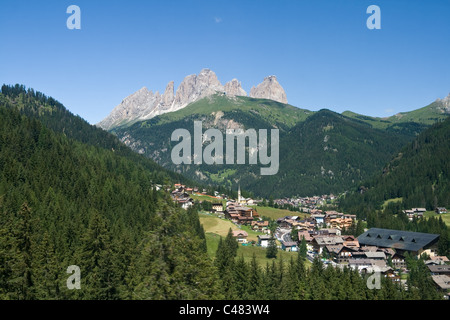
[239, 193]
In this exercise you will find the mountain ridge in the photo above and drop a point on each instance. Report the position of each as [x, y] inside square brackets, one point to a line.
[144, 104]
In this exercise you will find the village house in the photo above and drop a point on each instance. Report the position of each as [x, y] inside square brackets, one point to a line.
[180, 196]
[319, 218]
[263, 240]
[185, 203]
[289, 246]
[439, 270]
[442, 283]
[369, 266]
[440, 210]
[240, 214]
[398, 261]
[415, 212]
[240, 236]
[260, 225]
[340, 253]
[320, 242]
[217, 207]
[350, 241]
[332, 231]
[437, 260]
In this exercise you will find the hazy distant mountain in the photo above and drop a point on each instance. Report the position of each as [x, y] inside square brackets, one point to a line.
[144, 104]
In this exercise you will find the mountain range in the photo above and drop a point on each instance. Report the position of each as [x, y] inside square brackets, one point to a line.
[144, 104]
[320, 151]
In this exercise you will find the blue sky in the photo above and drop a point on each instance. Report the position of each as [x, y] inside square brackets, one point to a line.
[321, 51]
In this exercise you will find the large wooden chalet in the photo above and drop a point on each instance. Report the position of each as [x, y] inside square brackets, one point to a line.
[240, 214]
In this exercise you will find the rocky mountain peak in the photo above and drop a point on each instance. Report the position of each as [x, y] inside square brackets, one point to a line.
[233, 88]
[269, 89]
[444, 104]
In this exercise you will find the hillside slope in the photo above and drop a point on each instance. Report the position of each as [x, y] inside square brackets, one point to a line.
[413, 121]
[64, 202]
[328, 153]
[308, 165]
[419, 175]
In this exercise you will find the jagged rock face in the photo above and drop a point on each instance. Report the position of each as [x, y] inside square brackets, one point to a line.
[143, 104]
[269, 89]
[234, 88]
[196, 87]
[169, 95]
[134, 106]
[444, 104]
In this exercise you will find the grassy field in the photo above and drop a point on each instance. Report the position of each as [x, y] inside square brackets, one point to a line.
[275, 213]
[215, 228]
[216, 225]
[247, 252]
[220, 227]
[391, 200]
[445, 216]
[202, 197]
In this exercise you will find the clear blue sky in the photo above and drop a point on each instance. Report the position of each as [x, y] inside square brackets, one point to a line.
[321, 51]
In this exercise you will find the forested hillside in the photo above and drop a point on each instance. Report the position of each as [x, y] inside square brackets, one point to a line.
[419, 174]
[328, 153]
[63, 202]
[320, 152]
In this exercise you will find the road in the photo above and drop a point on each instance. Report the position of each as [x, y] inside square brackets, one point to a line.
[283, 235]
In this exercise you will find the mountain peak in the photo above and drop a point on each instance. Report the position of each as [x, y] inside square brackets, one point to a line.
[233, 88]
[269, 89]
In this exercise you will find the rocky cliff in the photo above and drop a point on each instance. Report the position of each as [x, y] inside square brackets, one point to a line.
[269, 89]
[144, 104]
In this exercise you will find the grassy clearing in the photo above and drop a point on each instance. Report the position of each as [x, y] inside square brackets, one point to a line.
[222, 176]
[216, 225]
[220, 226]
[202, 197]
[445, 216]
[274, 213]
[215, 228]
[391, 200]
[247, 252]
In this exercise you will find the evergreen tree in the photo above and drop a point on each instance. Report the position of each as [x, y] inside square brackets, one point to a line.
[255, 287]
[303, 249]
[95, 261]
[272, 250]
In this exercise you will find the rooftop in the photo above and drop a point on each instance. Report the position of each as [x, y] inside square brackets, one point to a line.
[403, 240]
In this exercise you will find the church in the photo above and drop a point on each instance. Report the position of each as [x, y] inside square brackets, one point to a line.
[242, 200]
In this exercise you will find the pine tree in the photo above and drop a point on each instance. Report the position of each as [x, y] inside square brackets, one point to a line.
[255, 287]
[94, 260]
[241, 278]
[20, 280]
[272, 250]
[303, 249]
[46, 270]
